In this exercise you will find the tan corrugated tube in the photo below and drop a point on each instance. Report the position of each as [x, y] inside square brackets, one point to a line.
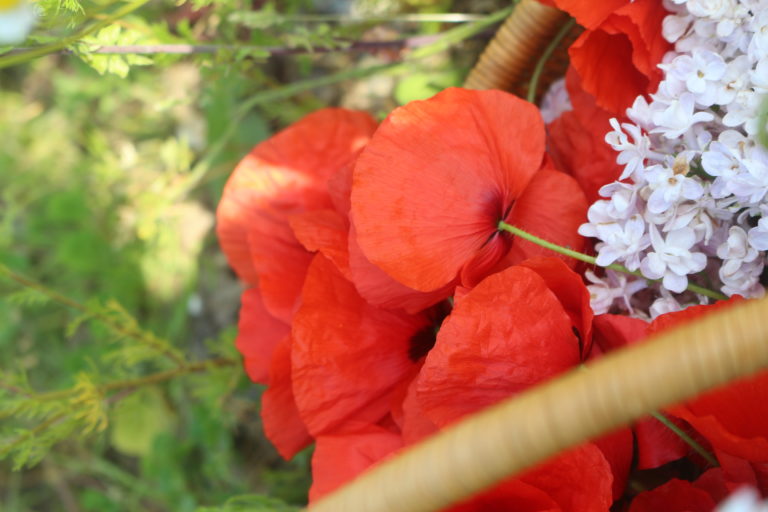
[583, 404]
[517, 44]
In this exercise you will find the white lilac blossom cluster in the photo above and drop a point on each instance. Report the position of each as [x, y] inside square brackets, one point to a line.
[745, 499]
[691, 203]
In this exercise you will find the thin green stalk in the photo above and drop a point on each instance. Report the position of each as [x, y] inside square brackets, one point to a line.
[19, 58]
[146, 380]
[55, 296]
[447, 40]
[548, 51]
[686, 438]
[449, 17]
[593, 261]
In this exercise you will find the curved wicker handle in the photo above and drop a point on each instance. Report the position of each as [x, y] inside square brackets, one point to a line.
[520, 432]
[510, 56]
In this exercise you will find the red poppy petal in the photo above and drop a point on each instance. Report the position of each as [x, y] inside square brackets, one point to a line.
[617, 331]
[604, 62]
[348, 356]
[338, 458]
[576, 141]
[512, 495]
[380, 289]
[282, 424]
[258, 335]
[431, 186]
[674, 496]
[617, 448]
[286, 174]
[325, 231]
[588, 13]
[579, 480]
[657, 444]
[282, 264]
[552, 207]
[733, 418]
[570, 290]
[618, 59]
[508, 333]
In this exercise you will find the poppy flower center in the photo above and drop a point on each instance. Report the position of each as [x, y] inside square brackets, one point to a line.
[424, 339]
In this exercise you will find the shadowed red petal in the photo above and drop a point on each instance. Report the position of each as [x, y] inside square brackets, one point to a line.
[348, 356]
[573, 295]
[436, 178]
[282, 263]
[338, 458]
[617, 448]
[282, 424]
[258, 335]
[674, 496]
[284, 175]
[552, 207]
[507, 334]
[576, 141]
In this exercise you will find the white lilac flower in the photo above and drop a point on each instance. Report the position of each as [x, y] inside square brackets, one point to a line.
[736, 250]
[679, 117]
[16, 20]
[693, 194]
[632, 155]
[672, 259]
[604, 292]
[555, 101]
[620, 241]
[700, 71]
[758, 235]
[743, 279]
[664, 305]
[670, 185]
[745, 499]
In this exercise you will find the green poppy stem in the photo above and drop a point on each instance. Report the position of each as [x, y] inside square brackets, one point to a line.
[503, 226]
[686, 438]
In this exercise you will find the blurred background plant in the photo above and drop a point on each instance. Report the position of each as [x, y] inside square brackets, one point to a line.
[120, 388]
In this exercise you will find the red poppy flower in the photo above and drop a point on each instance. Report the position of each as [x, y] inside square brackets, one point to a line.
[576, 141]
[283, 176]
[437, 177]
[258, 334]
[282, 423]
[514, 330]
[508, 333]
[349, 356]
[618, 54]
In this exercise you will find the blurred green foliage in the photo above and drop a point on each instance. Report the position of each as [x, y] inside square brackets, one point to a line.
[120, 388]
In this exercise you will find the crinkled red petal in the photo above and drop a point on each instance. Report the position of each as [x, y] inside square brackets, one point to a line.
[507, 334]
